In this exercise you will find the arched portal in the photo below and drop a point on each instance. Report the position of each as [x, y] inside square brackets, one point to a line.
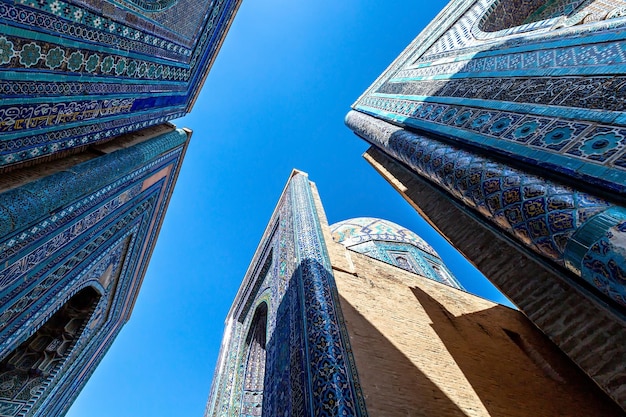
[28, 370]
[252, 396]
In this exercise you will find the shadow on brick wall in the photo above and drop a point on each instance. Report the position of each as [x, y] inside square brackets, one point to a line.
[514, 369]
[395, 385]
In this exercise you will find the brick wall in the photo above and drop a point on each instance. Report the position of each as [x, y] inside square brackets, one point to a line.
[425, 349]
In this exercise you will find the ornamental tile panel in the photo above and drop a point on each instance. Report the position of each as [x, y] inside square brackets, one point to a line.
[65, 63]
[549, 218]
[309, 369]
[541, 82]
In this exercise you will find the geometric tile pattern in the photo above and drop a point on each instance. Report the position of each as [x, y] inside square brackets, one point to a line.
[20, 53]
[67, 19]
[582, 63]
[554, 8]
[38, 359]
[513, 88]
[309, 369]
[153, 5]
[460, 28]
[543, 215]
[74, 73]
[22, 149]
[330, 372]
[89, 227]
[538, 137]
[597, 251]
[410, 258]
[466, 33]
[507, 14]
[255, 365]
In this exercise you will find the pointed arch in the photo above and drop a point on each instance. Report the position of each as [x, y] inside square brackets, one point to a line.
[254, 376]
[27, 371]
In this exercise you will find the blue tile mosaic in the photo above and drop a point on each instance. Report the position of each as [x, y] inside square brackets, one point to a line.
[65, 64]
[393, 244]
[543, 215]
[553, 91]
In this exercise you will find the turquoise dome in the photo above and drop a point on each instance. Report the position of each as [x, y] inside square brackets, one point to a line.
[363, 229]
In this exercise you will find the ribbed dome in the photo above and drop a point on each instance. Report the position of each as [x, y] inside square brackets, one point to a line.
[363, 229]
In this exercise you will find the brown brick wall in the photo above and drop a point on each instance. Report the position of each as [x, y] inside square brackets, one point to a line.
[425, 349]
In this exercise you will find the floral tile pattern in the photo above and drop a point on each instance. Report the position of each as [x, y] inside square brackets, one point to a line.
[76, 56]
[309, 369]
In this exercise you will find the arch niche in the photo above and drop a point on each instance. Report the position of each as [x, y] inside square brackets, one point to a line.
[29, 369]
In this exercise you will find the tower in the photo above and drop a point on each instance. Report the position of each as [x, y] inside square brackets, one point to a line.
[79, 234]
[88, 162]
[508, 117]
[363, 318]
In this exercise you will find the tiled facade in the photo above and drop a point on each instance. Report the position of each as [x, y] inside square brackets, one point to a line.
[88, 164]
[308, 367]
[515, 110]
[74, 73]
[395, 245]
[87, 227]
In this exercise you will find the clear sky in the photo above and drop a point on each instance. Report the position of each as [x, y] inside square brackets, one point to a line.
[275, 100]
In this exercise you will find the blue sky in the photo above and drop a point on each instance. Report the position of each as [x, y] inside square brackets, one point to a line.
[274, 100]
